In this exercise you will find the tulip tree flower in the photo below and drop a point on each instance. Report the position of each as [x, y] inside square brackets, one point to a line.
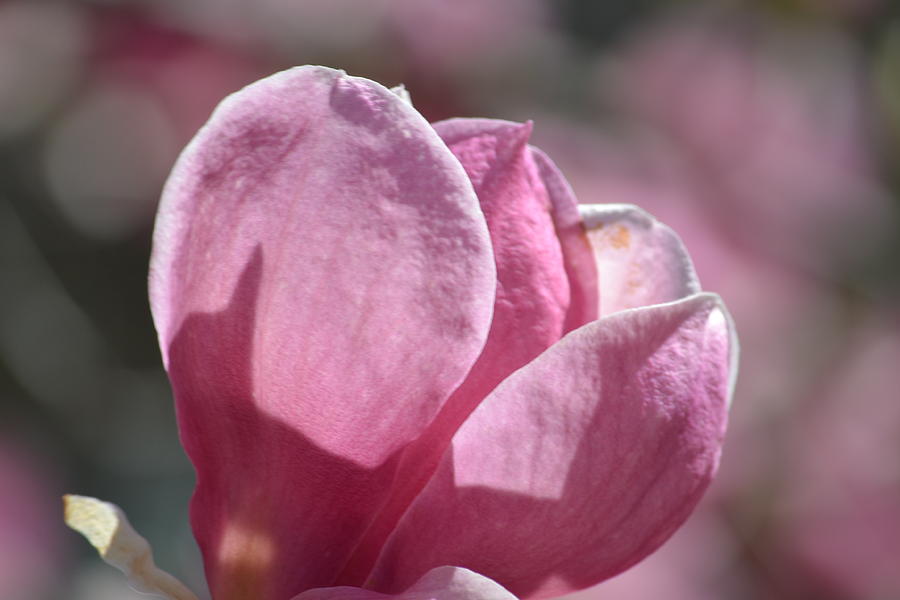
[406, 362]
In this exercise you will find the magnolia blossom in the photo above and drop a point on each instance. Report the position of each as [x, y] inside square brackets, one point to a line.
[777, 123]
[406, 362]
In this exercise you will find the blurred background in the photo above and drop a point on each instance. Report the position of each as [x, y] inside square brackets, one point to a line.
[766, 133]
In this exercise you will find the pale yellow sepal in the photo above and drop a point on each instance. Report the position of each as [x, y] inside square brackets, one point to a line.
[108, 530]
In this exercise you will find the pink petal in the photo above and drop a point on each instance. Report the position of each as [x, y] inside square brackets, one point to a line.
[640, 261]
[581, 463]
[441, 583]
[322, 280]
[532, 303]
[578, 253]
[532, 286]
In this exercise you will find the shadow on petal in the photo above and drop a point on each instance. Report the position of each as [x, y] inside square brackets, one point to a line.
[273, 513]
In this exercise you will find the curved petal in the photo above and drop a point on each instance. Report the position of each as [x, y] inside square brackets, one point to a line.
[322, 279]
[640, 261]
[581, 463]
[532, 301]
[578, 255]
[441, 583]
[533, 290]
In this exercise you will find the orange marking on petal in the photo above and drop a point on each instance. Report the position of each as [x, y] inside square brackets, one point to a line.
[620, 238]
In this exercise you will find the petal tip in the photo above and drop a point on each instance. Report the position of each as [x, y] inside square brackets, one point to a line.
[96, 520]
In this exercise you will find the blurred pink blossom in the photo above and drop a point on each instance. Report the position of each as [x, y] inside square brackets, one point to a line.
[776, 124]
[186, 74]
[147, 89]
[442, 34]
[406, 362]
[838, 512]
[466, 32]
[31, 548]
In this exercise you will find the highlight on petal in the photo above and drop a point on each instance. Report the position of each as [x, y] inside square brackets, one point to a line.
[322, 280]
[108, 530]
[441, 583]
[581, 463]
[640, 261]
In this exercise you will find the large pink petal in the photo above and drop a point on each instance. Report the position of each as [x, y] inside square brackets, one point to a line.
[581, 463]
[322, 279]
[640, 261]
[532, 302]
[441, 583]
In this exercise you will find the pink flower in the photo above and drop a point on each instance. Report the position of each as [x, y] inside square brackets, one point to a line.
[843, 490]
[777, 124]
[404, 362]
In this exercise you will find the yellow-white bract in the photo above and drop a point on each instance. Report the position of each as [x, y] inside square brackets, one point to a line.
[108, 530]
